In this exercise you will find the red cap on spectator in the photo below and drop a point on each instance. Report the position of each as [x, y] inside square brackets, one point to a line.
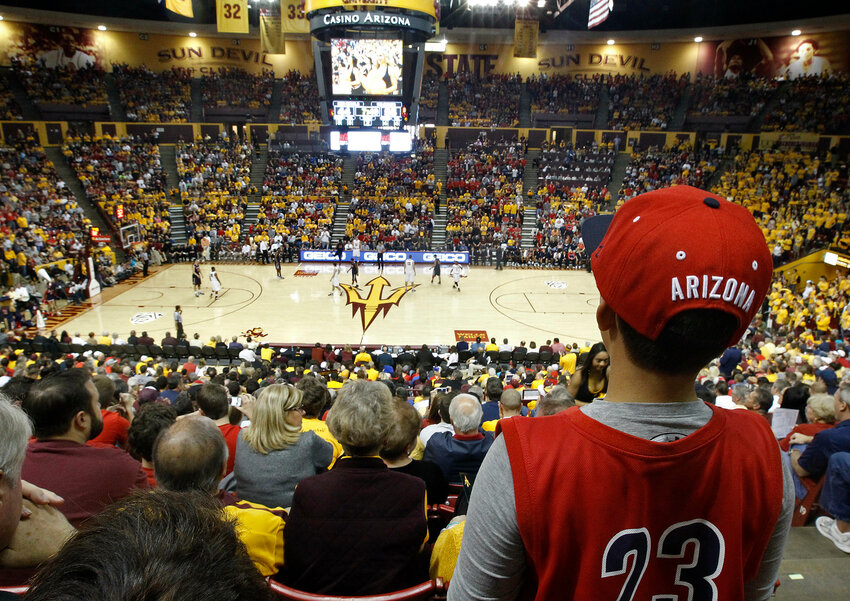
[682, 248]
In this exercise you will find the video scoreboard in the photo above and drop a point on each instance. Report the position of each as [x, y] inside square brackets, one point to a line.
[369, 61]
[382, 114]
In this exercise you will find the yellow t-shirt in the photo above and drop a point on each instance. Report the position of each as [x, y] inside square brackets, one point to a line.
[446, 549]
[323, 432]
[260, 528]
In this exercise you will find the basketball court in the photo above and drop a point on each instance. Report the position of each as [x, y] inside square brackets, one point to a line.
[515, 304]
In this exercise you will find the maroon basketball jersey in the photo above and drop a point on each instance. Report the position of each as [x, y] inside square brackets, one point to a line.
[606, 515]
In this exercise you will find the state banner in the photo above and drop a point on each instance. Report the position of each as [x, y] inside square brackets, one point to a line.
[232, 16]
[525, 38]
[272, 37]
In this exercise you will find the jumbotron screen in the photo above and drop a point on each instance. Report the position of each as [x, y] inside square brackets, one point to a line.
[366, 67]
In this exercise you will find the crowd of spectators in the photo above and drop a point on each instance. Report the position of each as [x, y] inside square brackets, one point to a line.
[487, 101]
[429, 97]
[63, 85]
[299, 198]
[638, 102]
[9, 108]
[799, 200]
[299, 98]
[565, 169]
[154, 97]
[484, 196]
[564, 93]
[125, 172]
[813, 104]
[656, 168]
[234, 87]
[393, 199]
[743, 96]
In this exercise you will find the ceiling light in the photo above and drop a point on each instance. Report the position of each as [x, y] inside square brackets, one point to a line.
[101, 27]
[1, 17]
[541, 3]
[522, 3]
[698, 39]
[192, 34]
[796, 32]
[610, 42]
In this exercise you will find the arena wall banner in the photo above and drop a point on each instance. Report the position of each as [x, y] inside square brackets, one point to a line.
[787, 57]
[390, 256]
[293, 17]
[66, 45]
[558, 59]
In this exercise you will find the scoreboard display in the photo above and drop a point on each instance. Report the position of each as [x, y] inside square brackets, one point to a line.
[383, 114]
[369, 62]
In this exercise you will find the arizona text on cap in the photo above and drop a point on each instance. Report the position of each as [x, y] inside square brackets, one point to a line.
[682, 248]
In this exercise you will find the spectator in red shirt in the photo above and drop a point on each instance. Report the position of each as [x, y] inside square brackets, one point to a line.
[214, 402]
[65, 413]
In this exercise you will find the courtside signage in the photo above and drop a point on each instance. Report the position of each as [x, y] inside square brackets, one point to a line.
[400, 256]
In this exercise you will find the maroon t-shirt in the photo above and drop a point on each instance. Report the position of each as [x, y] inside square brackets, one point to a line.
[88, 478]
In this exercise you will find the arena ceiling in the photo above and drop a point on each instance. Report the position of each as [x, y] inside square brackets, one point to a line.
[644, 19]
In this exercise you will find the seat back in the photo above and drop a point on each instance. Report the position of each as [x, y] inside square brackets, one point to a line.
[421, 592]
[182, 351]
[803, 507]
[546, 357]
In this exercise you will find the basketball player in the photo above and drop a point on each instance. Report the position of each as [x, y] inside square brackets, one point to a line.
[277, 259]
[457, 273]
[215, 282]
[648, 493]
[335, 280]
[354, 268]
[409, 274]
[435, 272]
[196, 278]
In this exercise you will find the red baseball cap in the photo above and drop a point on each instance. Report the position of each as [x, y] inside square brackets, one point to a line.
[682, 248]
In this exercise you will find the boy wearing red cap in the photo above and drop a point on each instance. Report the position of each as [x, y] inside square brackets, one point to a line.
[649, 493]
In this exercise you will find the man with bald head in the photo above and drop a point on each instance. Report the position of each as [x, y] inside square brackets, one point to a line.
[461, 452]
[510, 405]
[192, 455]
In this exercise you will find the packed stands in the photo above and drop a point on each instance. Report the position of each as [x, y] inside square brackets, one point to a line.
[484, 195]
[393, 199]
[656, 168]
[63, 85]
[299, 102]
[154, 97]
[9, 108]
[643, 102]
[813, 104]
[799, 201]
[235, 92]
[429, 97]
[220, 165]
[299, 197]
[729, 103]
[483, 102]
[566, 170]
[125, 172]
[562, 98]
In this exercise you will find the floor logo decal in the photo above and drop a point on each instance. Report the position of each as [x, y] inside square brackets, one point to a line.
[373, 304]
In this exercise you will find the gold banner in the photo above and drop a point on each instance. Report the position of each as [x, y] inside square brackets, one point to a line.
[428, 7]
[272, 37]
[232, 16]
[768, 140]
[293, 18]
[180, 7]
[525, 38]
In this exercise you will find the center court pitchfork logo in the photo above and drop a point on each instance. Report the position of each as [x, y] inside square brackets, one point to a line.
[373, 304]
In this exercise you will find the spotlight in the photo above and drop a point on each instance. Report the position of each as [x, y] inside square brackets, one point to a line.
[796, 32]
[698, 39]
[192, 34]
[101, 27]
[610, 42]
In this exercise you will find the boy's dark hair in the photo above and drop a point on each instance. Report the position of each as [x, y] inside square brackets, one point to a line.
[315, 396]
[152, 419]
[687, 343]
[213, 400]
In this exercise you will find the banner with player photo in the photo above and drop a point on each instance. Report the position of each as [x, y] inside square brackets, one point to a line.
[54, 46]
[787, 57]
[272, 36]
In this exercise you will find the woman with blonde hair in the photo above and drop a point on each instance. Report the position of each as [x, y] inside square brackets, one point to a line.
[273, 455]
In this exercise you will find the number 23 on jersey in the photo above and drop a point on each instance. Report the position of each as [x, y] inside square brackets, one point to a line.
[696, 548]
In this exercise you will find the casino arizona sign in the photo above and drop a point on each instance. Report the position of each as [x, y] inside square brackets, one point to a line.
[366, 19]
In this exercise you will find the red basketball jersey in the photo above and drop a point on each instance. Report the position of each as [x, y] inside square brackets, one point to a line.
[606, 515]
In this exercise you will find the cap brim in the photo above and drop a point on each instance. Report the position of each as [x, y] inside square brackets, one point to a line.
[593, 230]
